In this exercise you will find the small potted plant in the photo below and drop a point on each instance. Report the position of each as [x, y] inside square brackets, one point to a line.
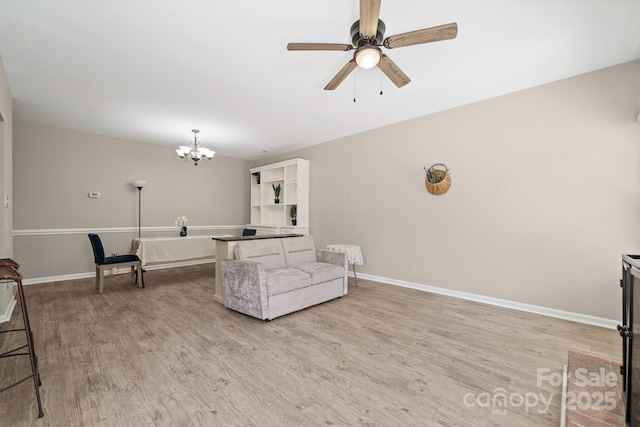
[438, 179]
[257, 175]
[180, 225]
[293, 212]
[276, 192]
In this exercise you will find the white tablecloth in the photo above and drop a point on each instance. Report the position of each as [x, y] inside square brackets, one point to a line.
[354, 254]
[172, 249]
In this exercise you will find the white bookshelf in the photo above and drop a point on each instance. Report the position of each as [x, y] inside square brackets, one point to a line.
[269, 217]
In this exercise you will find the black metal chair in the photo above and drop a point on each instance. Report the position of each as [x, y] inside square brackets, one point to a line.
[104, 263]
[249, 232]
[9, 272]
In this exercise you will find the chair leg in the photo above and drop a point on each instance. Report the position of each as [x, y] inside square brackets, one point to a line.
[139, 275]
[100, 279]
[97, 276]
[133, 274]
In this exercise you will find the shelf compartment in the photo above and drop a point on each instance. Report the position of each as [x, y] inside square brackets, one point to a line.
[255, 195]
[291, 193]
[270, 175]
[291, 173]
[272, 214]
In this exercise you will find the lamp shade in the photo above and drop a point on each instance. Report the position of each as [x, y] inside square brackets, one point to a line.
[139, 183]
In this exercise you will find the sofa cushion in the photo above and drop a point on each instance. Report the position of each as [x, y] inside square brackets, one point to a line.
[321, 272]
[268, 252]
[281, 280]
[299, 249]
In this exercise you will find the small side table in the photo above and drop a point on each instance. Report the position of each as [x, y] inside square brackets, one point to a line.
[354, 255]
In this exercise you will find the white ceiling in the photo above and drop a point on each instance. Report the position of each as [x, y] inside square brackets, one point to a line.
[151, 70]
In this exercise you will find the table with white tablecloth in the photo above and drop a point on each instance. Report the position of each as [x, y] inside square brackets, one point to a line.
[354, 255]
[157, 250]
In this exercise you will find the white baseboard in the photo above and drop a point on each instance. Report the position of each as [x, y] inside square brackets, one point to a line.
[6, 316]
[545, 311]
[178, 264]
[148, 267]
[57, 278]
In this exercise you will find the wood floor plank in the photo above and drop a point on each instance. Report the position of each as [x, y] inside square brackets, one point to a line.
[168, 355]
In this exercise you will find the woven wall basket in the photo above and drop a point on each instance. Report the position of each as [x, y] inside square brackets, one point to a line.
[440, 187]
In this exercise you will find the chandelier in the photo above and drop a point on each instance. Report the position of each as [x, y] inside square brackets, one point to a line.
[194, 150]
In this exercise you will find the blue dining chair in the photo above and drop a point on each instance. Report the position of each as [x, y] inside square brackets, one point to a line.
[117, 261]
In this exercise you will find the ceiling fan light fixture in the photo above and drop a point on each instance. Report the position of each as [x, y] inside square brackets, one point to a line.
[368, 57]
[367, 38]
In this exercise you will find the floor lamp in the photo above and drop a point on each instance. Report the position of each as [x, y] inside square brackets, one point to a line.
[139, 183]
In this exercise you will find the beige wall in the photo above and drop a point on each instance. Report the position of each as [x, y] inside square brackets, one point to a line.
[55, 169]
[6, 214]
[545, 195]
[6, 138]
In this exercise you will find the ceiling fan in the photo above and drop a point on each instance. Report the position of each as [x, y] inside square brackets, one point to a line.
[367, 37]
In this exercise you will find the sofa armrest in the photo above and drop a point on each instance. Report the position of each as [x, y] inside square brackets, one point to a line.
[335, 258]
[245, 287]
[332, 257]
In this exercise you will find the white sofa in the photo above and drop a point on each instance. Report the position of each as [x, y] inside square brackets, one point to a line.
[272, 277]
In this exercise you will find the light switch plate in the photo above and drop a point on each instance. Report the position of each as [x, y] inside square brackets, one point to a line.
[94, 195]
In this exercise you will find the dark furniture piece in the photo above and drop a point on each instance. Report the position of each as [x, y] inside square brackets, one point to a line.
[249, 232]
[630, 369]
[9, 272]
[104, 263]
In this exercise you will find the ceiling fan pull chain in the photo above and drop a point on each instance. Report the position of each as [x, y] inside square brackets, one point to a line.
[380, 72]
[354, 86]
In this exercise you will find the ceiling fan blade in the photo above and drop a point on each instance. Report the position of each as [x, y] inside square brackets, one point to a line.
[342, 74]
[369, 13]
[427, 35]
[391, 70]
[318, 46]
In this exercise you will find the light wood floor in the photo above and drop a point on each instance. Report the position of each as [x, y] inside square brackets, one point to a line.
[168, 355]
